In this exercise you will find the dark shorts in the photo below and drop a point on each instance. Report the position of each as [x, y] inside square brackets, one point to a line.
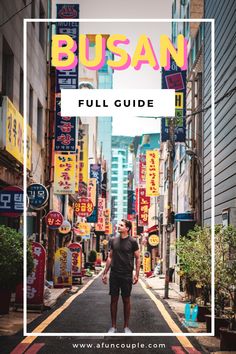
[123, 283]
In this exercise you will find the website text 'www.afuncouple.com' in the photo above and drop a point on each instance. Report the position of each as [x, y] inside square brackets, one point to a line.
[132, 346]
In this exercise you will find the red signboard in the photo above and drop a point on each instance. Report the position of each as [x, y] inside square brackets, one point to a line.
[35, 281]
[144, 205]
[136, 199]
[76, 252]
[83, 207]
[54, 219]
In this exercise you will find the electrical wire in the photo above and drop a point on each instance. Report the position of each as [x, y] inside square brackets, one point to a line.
[227, 94]
[16, 13]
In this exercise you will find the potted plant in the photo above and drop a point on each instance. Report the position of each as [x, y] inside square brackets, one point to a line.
[11, 264]
[194, 251]
[226, 281]
[221, 319]
[223, 238]
[92, 258]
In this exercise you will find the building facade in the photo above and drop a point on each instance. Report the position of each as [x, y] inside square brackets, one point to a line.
[12, 94]
[187, 165]
[104, 126]
[120, 167]
[225, 123]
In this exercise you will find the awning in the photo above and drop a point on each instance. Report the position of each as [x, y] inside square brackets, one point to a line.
[154, 228]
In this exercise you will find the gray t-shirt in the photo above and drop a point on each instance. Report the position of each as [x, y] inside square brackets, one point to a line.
[123, 255]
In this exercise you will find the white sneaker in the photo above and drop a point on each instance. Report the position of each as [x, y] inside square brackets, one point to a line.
[127, 330]
[112, 330]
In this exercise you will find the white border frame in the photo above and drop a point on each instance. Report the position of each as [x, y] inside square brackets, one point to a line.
[182, 334]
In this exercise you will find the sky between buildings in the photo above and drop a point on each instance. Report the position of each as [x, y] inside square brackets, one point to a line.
[146, 77]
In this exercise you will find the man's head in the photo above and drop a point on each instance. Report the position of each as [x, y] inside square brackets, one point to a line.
[124, 227]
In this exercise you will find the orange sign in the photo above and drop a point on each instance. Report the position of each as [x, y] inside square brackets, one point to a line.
[108, 225]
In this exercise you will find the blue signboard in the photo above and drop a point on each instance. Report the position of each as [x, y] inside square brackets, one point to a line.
[65, 131]
[38, 195]
[11, 201]
[175, 79]
[94, 216]
[68, 78]
[95, 172]
[184, 217]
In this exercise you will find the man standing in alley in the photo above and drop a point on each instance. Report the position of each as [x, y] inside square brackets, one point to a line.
[121, 260]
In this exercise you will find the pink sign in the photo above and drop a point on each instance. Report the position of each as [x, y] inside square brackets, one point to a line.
[142, 169]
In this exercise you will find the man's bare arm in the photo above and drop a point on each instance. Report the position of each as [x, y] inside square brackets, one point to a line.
[137, 266]
[108, 264]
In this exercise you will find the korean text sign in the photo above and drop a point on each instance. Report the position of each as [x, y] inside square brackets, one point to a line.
[64, 174]
[152, 173]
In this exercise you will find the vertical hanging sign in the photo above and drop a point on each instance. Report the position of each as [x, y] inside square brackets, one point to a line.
[77, 169]
[68, 78]
[144, 204]
[65, 131]
[93, 195]
[64, 174]
[83, 161]
[136, 199]
[152, 173]
[175, 79]
[108, 225]
[95, 173]
[100, 225]
[142, 169]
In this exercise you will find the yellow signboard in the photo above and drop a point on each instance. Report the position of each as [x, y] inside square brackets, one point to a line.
[62, 267]
[64, 173]
[152, 173]
[14, 134]
[82, 228]
[146, 262]
[153, 240]
[179, 100]
[83, 160]
[77, 169]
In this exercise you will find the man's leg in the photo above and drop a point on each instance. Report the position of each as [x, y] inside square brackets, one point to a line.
[127, 306]
[114, 302]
